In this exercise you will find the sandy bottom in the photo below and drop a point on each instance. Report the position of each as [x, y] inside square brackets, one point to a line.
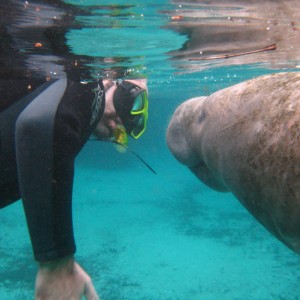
[163, 237]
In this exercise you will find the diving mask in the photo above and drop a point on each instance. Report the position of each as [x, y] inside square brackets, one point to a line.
[131, 104]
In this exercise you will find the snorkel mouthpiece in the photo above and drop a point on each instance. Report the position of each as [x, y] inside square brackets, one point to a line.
[120, 139]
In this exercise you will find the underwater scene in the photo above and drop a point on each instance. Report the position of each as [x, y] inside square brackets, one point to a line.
[146, 228]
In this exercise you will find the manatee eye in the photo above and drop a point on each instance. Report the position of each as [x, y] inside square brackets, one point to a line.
[201, 117]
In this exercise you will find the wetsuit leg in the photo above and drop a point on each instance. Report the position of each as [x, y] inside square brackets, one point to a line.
[9, 185]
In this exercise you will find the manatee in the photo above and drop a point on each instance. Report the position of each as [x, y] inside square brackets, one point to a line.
[245, 139]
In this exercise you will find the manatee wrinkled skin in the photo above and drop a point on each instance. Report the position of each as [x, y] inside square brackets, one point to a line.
[245, 139]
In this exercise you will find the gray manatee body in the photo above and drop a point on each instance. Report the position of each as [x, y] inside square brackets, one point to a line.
[245, 139]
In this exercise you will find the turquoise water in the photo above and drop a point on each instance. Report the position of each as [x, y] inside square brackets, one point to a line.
[156, 237]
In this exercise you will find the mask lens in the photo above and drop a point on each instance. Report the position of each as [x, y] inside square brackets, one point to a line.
[139, 103]
[139, 128]
[140, 110]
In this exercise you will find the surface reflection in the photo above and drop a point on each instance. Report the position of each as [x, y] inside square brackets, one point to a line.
[48, 38]
[232, 32]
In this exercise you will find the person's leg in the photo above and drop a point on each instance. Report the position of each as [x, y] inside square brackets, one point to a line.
[9, 185]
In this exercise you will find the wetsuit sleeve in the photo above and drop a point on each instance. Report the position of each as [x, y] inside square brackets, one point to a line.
[49, 134]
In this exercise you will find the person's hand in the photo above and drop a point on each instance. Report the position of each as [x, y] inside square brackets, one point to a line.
[63, 279]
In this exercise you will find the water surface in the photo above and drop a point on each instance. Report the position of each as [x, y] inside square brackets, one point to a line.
[163, 237]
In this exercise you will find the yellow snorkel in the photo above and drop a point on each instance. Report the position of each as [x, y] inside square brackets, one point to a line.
[120, 139]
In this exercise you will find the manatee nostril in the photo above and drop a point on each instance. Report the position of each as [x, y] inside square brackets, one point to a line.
[201, 117]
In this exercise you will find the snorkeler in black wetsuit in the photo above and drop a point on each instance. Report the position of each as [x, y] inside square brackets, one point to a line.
[44, 123]
[40, 137]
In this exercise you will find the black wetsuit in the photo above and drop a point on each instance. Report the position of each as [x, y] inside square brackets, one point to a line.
[45, 119]
[40, 136]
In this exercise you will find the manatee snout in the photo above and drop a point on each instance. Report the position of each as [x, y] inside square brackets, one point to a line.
[178, 140]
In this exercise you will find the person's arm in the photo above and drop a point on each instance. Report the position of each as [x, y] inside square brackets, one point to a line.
[49, 134]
